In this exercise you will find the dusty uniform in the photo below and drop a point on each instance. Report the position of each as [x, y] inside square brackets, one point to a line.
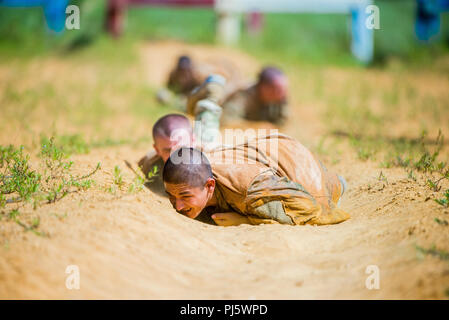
[245, 103]
[275, 179]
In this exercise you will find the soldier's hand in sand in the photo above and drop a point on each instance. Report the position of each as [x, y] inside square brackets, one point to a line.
[227, 219]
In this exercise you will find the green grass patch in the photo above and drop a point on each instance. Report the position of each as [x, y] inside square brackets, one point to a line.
[22, 182]
[68, 144]
[433, 251]
[441, 222]
[444, 201]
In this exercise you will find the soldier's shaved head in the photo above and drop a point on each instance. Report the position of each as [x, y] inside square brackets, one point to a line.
[272, 85]
[171, 132]
[184, 62]
[183, 78]
[187, 166]
[165, 126]
[269, 75]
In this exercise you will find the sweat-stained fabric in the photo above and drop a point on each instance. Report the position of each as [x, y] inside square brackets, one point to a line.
[275, 179]
[245, 104]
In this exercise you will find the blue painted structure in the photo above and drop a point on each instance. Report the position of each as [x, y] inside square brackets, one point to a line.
[428, 21]
[54, 10]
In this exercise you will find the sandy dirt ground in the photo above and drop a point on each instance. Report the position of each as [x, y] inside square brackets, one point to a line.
[135, 246]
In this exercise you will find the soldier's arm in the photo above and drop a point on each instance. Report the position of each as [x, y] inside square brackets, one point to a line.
[227, 219]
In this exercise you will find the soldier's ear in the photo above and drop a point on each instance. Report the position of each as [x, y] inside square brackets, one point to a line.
[210, 185]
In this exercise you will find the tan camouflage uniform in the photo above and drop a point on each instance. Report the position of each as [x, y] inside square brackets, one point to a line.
[245, 104]
[275, 179]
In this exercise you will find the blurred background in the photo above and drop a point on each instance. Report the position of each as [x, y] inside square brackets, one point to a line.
[297, 37]
[82, 81]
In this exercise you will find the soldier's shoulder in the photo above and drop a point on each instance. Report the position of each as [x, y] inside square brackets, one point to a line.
[149, 161]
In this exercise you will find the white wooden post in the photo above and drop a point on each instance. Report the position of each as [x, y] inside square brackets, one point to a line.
[228, 27]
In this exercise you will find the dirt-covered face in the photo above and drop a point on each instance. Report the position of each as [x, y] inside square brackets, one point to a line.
[190, 201]
[165, 145]
[275, 92]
